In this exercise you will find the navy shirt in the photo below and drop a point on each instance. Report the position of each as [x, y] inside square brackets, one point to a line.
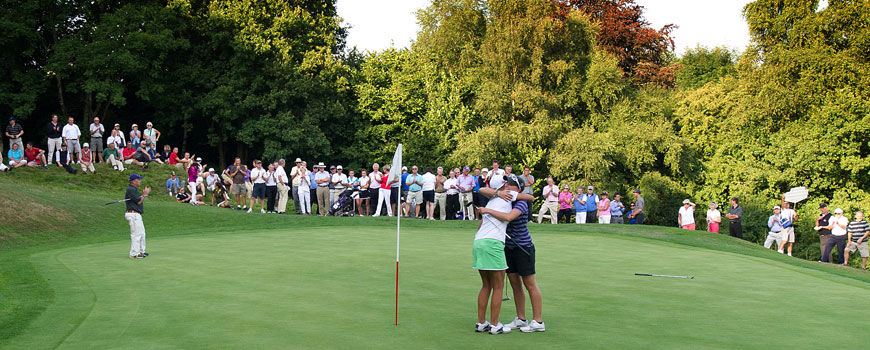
[405, 182]
[133, 197]
[518, 229]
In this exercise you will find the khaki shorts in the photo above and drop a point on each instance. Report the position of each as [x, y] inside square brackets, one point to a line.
[415, 197]
[788, 234]
[862, 248]
[239, 189]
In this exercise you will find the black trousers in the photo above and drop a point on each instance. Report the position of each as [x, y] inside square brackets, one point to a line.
[373, 199]
[592, 217]
[840, 241]
[531, 218]
[735, 229]
[564, 213]
[452, 206]
[69, 169]
[271, 194]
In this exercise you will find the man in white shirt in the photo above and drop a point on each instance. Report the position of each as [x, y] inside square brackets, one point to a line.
[686, 215]
[259, 189]
[495, 171]
[116, 137]
[375, 186]
[70, 135]
[429, 193]
[838, 226]
[789, 216]
[551, 201]
[321, 178]
[283, 190]
[295, 179]
[339, 182]
[97, 130]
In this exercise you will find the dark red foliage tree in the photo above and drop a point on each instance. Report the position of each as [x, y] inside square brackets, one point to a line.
[643, 52]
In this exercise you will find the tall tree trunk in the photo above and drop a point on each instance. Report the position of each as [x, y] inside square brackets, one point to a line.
[221, 154]
[60, 99]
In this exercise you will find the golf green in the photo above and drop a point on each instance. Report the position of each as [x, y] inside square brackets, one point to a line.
[332, 287]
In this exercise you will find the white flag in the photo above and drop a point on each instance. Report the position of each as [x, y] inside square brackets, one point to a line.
[396, 167]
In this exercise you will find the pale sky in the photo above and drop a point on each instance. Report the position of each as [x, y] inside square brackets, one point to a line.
[379, 24]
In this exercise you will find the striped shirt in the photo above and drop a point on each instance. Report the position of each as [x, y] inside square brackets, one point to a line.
[518, 229]
[858, 229]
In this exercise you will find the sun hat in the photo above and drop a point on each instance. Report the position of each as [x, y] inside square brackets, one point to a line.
[135, 125]
[149, 124]
[339, 167]
[686, 201]
[298, 160]
[320, 165]
[838, 211]
[484, 170]
[775, 207]
[136, 177]
[211, 170]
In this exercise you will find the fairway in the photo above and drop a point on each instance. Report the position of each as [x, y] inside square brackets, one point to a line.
[332, 287]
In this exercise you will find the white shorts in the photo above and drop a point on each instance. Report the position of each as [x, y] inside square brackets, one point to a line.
[128, 161]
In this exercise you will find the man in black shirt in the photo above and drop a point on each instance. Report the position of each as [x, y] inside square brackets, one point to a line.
[734, 216]
[14, 132]
[824, 233]
[61, 157]
[53, 130]
[134, 216]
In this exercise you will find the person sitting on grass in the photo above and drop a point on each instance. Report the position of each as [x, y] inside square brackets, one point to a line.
[172, 184]
[111, 156]
[87, 159]
[520, 256]
[62, 159]
[155, 156]
[142, 154]
[16, 156]
[211, 181]
[35, 156]
[182, 197]
[128, 156]
[489, 258]
[858, 231]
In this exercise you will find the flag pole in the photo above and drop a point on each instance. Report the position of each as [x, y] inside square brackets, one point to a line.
[397, 158]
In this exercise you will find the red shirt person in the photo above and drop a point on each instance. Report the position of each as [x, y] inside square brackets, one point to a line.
[35, 156]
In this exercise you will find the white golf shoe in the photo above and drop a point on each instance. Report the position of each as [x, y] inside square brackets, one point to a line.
[482, 327]
[517, 323]
[499, 329]
[533, 326]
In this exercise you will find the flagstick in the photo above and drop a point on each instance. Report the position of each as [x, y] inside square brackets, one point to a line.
[398, 225]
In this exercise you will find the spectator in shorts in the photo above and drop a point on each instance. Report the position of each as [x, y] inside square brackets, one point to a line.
[414, 199]
[71, 134]
[579, 206]
[35, 156]
[96, 131]
[258, 178]
[604, 209]
[735, 216]
[88, 158]
[16, 156]
[686, 215]
[172, 184]
[566, 205]
[428, 189]
[714, 217]
[822, 222]
[857, 237]
[774, 223]
[14, 133]
[789, 216]
[362, 202]
[617, 210]
[111, 156]
[839, 229]
[128, 156]
[53, 131]
[62, 159]
[211, 182]
[551, 202]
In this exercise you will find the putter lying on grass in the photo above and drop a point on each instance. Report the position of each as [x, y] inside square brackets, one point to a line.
[670, 276]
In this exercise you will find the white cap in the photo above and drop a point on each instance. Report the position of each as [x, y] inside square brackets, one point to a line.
[496, 182]
[149, 124]
[298, 160]
[404, 168]
[484, 170]
[86, 145]
[686, 201]
[198, 159]
[339, 167]
[776, 207]
[211, 170]
[838, 211]
[135, 126]
[590, 188]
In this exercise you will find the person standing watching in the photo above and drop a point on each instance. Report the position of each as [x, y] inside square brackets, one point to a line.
[238, 188]
[822, 223]
[617, 210]
[495, 170]
[686, 215]
[452, 186]
[714, 217]
[271, 189]
[70, 135]
[151, 134]
[734, 216]
[789, 216]
[604, 209]
[414, 199]
[475, 193]
[384, 193]
[466, 199]
[322, 178]
[482, 182]
[440, 193]
[53, 130]
[112, 157]
[283, 189]
[14, 133]
[362, 202]
[857, 237]
[258, 178]
[35, 156]
[429, 193]
[527, 184]
[375, 186]
[590, 202]
[565, 204]
[774, 223]
[637, 208]
[838, 226]
[134, 216]
[339, 182]
[551, 202]
[96, 131]
[295, 180]
[304, 189]
[88, 158]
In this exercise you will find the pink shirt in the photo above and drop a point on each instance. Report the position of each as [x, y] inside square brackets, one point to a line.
[565, 199]
[606, 204]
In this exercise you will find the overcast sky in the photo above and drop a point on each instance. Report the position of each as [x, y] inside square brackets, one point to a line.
[379, 24]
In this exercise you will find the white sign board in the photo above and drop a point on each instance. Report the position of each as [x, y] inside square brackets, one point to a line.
[796, 194]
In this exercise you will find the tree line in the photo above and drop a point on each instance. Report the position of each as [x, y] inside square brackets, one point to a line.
[585, 91]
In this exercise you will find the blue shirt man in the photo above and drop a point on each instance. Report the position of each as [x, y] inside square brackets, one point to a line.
[617, 210]
[405, 186]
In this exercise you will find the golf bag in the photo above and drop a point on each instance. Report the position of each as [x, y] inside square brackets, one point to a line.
[343, 205]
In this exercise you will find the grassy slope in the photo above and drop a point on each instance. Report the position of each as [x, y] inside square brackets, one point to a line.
[45, 210]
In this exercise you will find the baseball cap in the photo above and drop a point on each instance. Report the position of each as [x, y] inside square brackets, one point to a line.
[340, 167]
[86, 145]
[11, 118]
[686, 201]
[838, 211]
[484, 170]
[775, 207]
[331, 167]
[636, 191]
[496, 182]
[116, 124]
[136, 177]
[211, 170]
[404, 168]
[466, 168]
[823, 205]
[198, 159]
[590, 188]
[298, 160]
[135, 125]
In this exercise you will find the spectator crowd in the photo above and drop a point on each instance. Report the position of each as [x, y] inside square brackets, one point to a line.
[333, 190]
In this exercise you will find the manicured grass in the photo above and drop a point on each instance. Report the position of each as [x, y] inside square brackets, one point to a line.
[223, 279]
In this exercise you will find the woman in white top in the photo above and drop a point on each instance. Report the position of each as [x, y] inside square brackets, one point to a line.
[271, 189]
[304, 190]
[362, 202]
[714, 217]
[150, 133]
